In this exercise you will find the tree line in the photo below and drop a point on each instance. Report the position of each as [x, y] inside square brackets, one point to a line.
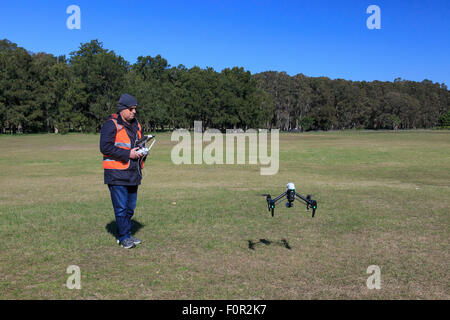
[40, 92]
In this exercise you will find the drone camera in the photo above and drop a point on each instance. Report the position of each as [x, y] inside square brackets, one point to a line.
[290, 194]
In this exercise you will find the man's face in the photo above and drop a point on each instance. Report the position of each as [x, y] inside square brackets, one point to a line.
[128, 114]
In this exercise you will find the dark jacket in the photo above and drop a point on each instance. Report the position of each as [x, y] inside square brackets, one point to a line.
[130, 176]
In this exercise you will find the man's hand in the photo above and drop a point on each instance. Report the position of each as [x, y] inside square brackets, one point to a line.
[134, 154]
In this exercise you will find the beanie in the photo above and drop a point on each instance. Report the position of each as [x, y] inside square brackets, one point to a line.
[126, 101]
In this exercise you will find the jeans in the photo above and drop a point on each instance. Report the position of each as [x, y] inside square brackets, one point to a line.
[124, 202]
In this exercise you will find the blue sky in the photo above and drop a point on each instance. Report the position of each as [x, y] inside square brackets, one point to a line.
[316, 38]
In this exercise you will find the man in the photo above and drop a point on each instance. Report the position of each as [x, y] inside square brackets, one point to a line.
[120, 161]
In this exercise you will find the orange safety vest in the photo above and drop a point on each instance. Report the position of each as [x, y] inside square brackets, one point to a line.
[122, 141]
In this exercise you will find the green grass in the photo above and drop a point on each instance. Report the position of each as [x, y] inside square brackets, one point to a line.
[384, 199]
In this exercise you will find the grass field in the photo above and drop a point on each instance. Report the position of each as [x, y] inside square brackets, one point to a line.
[384, 199]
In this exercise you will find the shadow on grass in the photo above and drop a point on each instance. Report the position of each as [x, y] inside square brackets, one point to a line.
[112, 227]
[282, 242]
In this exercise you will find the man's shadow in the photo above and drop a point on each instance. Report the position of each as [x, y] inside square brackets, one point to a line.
[282, 242]
[112, 227]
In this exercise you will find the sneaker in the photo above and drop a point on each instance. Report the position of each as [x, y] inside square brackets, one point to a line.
[135, 240]
[127, 243]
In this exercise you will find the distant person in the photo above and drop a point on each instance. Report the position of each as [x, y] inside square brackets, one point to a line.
[120, 161]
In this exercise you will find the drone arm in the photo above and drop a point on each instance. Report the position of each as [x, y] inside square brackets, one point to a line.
[308, 201]
[271, 202]
[300, 197]
[281, 196]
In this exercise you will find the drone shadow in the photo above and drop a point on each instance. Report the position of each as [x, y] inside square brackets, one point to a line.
[283, 242]
[112, 227]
